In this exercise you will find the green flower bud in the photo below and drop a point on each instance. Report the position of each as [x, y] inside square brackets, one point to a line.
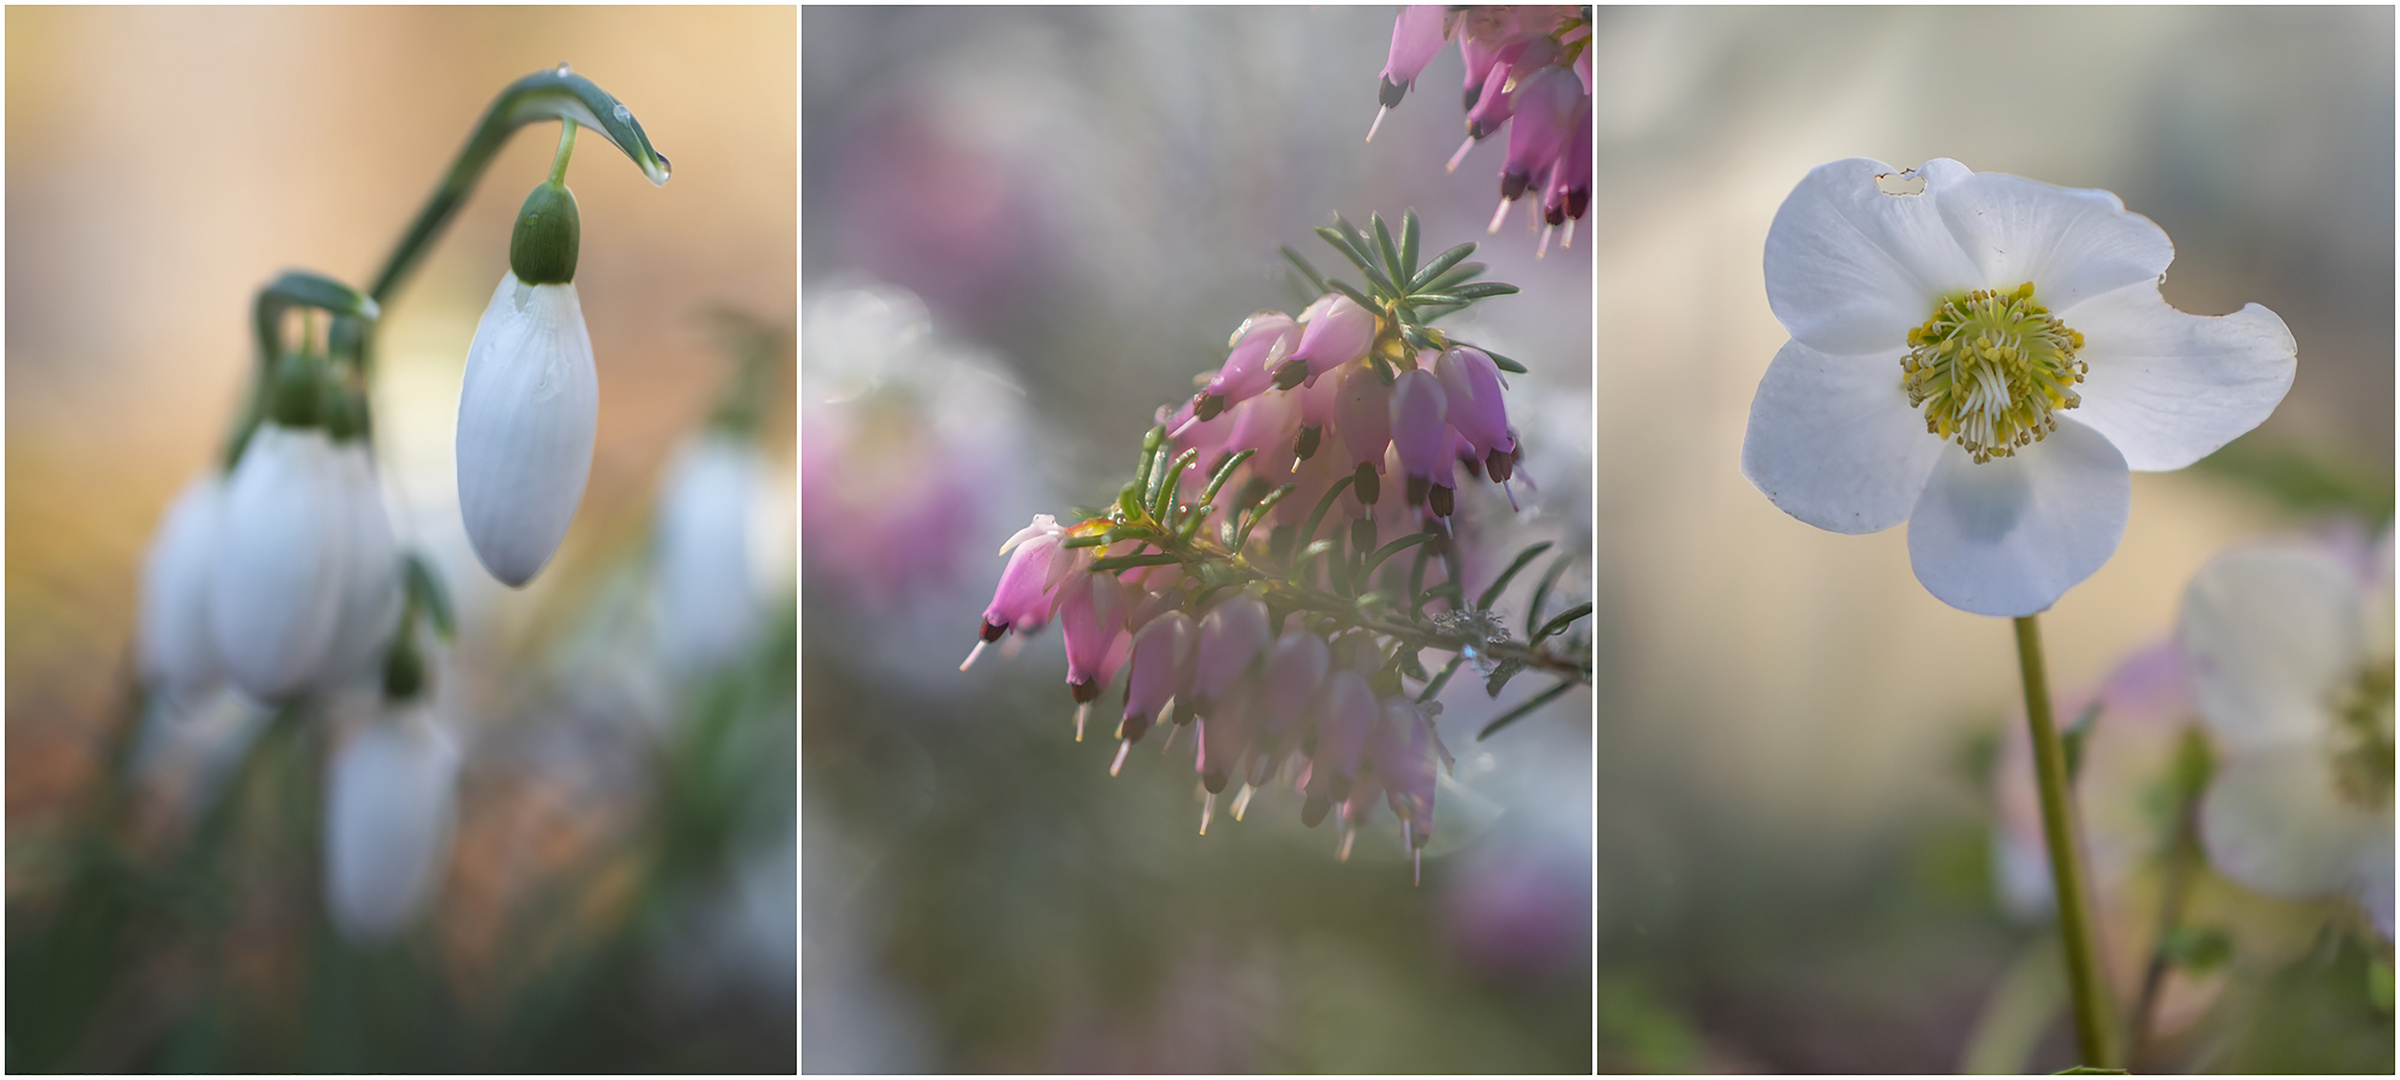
[548, 236]
[296, 399]
[403, 670]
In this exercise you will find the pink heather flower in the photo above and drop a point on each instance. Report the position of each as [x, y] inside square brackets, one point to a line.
[1471, 391]
[1318, 401]
[1259, 346]
[1296, 666]
[1422, 438]
[1491, 109]
[1024, 600]
[1570, 189]
[1343, 727]
[1417, 35]
[1231, 637]
[1545, 105]
[1402, 753]
[1338, 334]
[1355, 808]
[1091, 608]
[1363, 412]
[1161, 658]
[1225, 735]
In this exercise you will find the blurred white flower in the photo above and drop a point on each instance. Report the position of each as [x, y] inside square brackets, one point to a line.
[275, 588]
[370, 584]
[706, 603]
[527, 416]
[177, 654]
[390, 807]
[1985, 357]
[2291, 661]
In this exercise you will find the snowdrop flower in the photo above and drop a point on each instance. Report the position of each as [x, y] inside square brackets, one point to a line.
[2291, 661]
[706, 603]
[176, 651]
[370, 584]
[527, 417]
[1985, 357]
[275, 590]
[390, 806]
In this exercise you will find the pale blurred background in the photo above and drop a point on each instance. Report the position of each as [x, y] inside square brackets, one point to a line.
[163, 163]
[1068, 210]
[1791, 836]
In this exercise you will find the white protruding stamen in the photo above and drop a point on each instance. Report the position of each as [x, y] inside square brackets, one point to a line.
[1544, 249]
[1241, 802]
[1343, 853]
[1507, 488]
[1417, 872]
[1124, 746]
[1172, 731]
[1498, 216]
[972, 654]
[1208, 809]
[1408, 835]
[1461, 155]
[1566, 236]
[1372, 128]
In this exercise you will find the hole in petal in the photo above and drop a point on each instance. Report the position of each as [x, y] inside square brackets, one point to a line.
[1900, 183]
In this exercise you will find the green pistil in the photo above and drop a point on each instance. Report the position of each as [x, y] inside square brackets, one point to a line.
[1989, 368]
[2363, 770]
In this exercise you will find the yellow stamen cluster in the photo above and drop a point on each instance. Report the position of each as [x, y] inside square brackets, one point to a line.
[2363, 770]
[1989, 368]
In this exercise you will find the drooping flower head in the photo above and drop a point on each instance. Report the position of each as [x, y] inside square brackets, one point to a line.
[1985, 357]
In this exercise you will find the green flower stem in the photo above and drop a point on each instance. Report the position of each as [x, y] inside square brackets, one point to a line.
[2183, 856]
[2094, 1039]
[566, 149]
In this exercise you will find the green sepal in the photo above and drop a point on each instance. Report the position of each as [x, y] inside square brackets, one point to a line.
[1524, 710]
[403, 669]
[548, 237]
[297, 396]
[1407, 270]
[1504, 363]
[1441, 265]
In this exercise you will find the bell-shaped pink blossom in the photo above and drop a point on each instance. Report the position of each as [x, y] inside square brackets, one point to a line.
[1344, 724]
[1319, 402]
[1471, 390]
[1261, 344]
[1401, 752]
[1091, 609]
[1160, 659]
[1296, 667]
[1232, 637]
[1339, 334]
[1225, 736]
[1544, 107]
[1570, 189]
[1421, 436]
[1363, 414]
[1417, 35]
[1023, 600]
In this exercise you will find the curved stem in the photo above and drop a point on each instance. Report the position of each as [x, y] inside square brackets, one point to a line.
[2094, 1039]
[566, 149]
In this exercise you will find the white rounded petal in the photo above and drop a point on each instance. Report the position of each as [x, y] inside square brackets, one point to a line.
[2170, 388]
[1851, 269]
[274, 592]
[2275, 822]
[389, 810]
[2012, 535]
[527, 415]
[176, 650]
[2375, 878]
[371, 579]
[706, 603]
[2072, 244]
[1832, 440]
[2268, 635]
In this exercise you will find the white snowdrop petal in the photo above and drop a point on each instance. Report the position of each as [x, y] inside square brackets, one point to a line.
[2268, 635]
[1850, 269]
[2169, 388]
[2275, 822]
[275, 590]
[706, 604]
[527, 416]
[2012, 535]
[371, 579]
[389, 810]
[176, 650]
[1832, 440]
[2072, 244]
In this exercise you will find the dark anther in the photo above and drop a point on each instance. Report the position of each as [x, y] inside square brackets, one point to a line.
[1442, 503]
[1214, 780]
[1555, 215]
[1084, 691]
[1577, 199]
[1313, 811]
[1366, 483]
[991, 632]
[1291, 374]
[1305, 446]
[1473, 465]
[1474, 94]
[1132, 728]
[1502, 463]
[1362, 534]
[1512, 184]
[1416, 490]
[1390, 93]
[1207, 406]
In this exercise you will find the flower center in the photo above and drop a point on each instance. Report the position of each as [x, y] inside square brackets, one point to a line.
[2362, 769]
[1989, 368]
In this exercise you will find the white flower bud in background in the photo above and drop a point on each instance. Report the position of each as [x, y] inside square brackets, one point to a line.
[390, 808]
[274, 591]
[176, 653]
[527, 416]
[370, 583]
[707, 605]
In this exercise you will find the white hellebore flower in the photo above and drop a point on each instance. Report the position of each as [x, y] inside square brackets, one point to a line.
[2291, 659]
[1984, 357]
[176, 652]
[390, 807]
[706, 603]
[370, 588]
[275, 591]
[526, 419]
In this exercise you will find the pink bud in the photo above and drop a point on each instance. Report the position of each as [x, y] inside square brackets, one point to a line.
[1570, 189]
[1545, 107]
[1343, 727]
[1261, 345]
[1338, 335]
[1225, 735]
[1231, 637]
[1296, 666]
[1416, 37]
[1022, 602]
[1471, 392]
[1092, 611]
[1489, 106]
[1160, 654]
[1422, 437]
[1401, 752]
